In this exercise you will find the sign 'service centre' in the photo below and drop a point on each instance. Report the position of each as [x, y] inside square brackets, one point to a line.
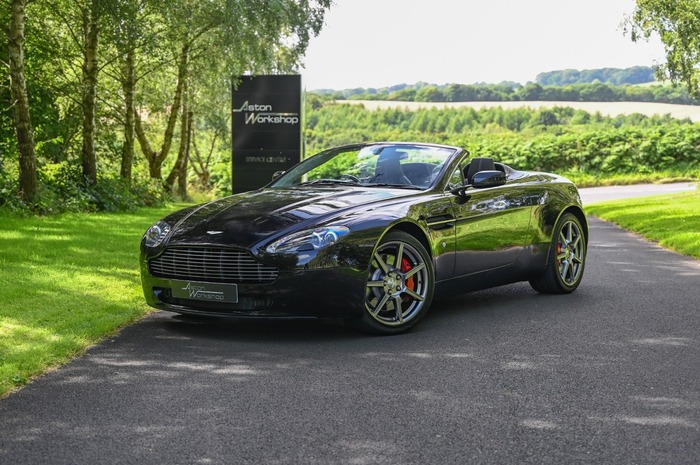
[266, 125]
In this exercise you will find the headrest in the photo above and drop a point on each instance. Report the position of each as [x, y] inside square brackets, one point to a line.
[393, 154]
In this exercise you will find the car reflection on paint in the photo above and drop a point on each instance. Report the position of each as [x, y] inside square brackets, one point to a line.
[368, 233]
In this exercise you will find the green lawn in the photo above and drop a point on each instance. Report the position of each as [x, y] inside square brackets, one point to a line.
[66, 282]
[671, 220]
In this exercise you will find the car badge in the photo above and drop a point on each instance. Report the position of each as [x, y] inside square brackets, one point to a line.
[214, 232]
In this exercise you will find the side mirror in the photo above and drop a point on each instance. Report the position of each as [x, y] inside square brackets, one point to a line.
[490, 178]
[277, 174]
[461, 194]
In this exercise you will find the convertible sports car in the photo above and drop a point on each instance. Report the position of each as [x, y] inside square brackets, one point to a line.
[368, 233]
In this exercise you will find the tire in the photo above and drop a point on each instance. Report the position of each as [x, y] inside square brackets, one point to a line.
[566, 259]
[400, 284]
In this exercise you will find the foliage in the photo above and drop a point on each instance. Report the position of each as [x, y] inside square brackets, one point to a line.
[482, 92]
[63, 190]
[586, 92]
[607, 152]
[677, 23]
[615, 76]
[560, 139]
[671, 220]
[602, 85]
[147, 50]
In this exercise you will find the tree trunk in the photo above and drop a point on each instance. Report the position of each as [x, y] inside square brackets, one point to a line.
[182, 177]
[20, 107]
[200, 165]
[89, 90]
[153, 157]
[129, 87]
[156, 159]
[179, 165]
[179, 91]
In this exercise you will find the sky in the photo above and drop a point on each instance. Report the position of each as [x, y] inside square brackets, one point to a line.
[379, 43]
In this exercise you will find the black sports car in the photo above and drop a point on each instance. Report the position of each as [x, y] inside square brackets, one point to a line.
[368, 233]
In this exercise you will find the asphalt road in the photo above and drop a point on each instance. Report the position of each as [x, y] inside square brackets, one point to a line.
[597, 194]
[608, 374]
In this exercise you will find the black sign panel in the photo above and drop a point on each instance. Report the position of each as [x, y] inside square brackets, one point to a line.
[266, 127]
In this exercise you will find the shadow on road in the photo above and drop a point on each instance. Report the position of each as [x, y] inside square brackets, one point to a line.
[501, 302]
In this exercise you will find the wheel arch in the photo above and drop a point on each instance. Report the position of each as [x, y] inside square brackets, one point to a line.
[580, 215]
[415, 231]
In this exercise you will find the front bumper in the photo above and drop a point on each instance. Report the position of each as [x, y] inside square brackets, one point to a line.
[302, 293]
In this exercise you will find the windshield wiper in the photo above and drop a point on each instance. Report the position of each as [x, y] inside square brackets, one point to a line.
[388, 184]
[345, 182]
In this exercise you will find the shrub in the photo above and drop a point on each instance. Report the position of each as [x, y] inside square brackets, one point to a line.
[63, 189]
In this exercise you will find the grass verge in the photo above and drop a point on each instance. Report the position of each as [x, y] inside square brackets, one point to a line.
[66, 282]
[671, 220]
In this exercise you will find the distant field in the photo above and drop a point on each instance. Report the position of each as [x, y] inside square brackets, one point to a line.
[604, 108]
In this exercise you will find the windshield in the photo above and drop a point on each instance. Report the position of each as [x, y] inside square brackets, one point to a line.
[389, 165]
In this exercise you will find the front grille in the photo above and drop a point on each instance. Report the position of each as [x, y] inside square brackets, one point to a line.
[210, 264]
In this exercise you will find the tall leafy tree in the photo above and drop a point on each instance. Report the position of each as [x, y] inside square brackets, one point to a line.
[125, 31]
[20, 100]
[211, 126]
[179, 170]
[135, 29]
[243, 36]
[157, 157]
[677, 23]
[83, 19]
[95, 65]
[90, 10]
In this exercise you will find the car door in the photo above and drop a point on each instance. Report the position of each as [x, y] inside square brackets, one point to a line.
[491, 227]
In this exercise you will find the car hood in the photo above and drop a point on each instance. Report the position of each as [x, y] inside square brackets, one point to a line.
[248, 218]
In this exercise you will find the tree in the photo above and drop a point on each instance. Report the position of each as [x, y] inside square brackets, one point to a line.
[84, 20]
[531, 91]
[157, 157]
[179, 170]
[91, 27]
[677, 23]
[243, 36]
[105, 75]
[429, 94]
[125, 31]
[20, 102]
[211, 125]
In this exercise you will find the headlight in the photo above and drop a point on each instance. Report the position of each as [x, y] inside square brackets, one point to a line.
[156, 233]
[311, 239]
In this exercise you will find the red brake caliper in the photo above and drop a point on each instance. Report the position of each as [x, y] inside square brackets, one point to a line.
[410, 282]
[559, 253]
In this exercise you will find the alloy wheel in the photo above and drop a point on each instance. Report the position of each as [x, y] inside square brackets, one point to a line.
[398, 284]
[570, 253]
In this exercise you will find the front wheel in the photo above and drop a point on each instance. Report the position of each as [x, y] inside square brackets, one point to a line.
[566, 259]
[400, 284]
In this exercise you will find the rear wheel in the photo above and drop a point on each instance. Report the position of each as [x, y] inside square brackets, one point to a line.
[566, 260]
[400, 284]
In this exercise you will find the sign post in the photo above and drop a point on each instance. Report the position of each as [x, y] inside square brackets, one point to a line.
[266, 127]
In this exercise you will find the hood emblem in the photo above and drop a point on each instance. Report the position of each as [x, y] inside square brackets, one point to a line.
[214, 232]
